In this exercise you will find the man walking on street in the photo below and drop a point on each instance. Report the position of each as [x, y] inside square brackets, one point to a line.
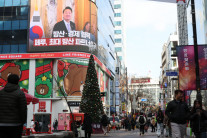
[13, 109]
[104, 122]
[178, 112]
[142, 122]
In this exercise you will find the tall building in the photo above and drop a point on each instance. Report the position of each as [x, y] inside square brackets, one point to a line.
[169, 67]
[50, 50]
[120, 47]
[119, 31]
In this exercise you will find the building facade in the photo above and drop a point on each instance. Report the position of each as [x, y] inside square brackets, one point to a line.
[169, 69]
[52, 61]
[144, 91]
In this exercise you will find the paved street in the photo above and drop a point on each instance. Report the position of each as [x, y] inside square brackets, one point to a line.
[125, 134]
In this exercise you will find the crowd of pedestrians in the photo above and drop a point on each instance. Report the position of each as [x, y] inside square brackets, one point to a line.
[169, 122]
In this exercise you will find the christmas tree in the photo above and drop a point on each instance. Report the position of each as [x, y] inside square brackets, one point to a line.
[91, 99]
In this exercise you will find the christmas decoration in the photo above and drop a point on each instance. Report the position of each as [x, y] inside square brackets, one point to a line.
[91, 99]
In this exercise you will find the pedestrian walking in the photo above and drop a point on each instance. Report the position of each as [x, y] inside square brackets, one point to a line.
[87, 125]
[197, 118]
[55, 125]
[167, 126]
[133, 122]
[126, 122]
[142, 122]
[37, 126]
[178, 112]
[104, 122]
[13, 109]
[160, 119]
[32, 124]
[153, 124]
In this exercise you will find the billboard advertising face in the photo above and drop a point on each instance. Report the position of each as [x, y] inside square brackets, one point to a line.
[186, 61]
[63, 25]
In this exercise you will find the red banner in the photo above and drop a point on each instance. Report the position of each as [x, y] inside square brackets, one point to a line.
[140, 80]
[54, 55]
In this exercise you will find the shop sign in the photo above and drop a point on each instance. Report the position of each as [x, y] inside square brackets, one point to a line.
[73, 103]
[54, 55]
[42, 106]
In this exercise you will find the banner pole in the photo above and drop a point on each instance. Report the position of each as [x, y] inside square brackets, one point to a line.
[198, 96]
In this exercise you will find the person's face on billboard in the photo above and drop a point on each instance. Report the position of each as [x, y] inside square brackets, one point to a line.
[67, 14]
[88, 26]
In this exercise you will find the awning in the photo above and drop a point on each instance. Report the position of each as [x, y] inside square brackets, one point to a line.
[30, 98]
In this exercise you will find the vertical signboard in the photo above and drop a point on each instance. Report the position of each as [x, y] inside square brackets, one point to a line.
[202, 59]
[59, 25]
[186, 61]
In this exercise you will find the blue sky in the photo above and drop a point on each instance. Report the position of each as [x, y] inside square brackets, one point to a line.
[148, 25]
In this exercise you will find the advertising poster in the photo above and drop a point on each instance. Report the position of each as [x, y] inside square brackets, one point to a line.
[71, 76]
[202, 59]
[19, 67]
[43, 78]
[60, 25]
[186, 62]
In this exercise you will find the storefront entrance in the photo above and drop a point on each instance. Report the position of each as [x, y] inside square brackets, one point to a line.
[44, 120]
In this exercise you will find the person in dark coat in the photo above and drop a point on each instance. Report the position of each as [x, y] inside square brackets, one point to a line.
[104, 122]
[87, 125]
[133, 123]
[13, 109]
[178, 113]
[160, 119]
[126, 123]
[197, 118]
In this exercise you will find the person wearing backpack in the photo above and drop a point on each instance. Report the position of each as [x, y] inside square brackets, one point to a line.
[142, 121]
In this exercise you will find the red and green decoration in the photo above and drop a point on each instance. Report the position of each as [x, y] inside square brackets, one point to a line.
[91, 99]
[19, 67]
[71, 76]
[44, 78]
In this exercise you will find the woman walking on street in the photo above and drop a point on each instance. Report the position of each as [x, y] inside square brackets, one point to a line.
[87, 125]
[160, 118]
[197, 118]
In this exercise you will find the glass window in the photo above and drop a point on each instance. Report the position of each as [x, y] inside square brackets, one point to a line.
[1, 25]
[117, 23]
[120, 57]
[117, 14]
[7, 12]
[118, 40]
[117, 31]
[8, 2]
[22, 48]
[16, 2]
[7, 25]
[117, 6]
[1, 46]
[1, 3]
[15, 25]
[14, 49]
[23, 24]
[24, 11]
[6, 49]
[24, 2]
[118, 49]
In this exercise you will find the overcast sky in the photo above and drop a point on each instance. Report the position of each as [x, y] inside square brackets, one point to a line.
[148, 25]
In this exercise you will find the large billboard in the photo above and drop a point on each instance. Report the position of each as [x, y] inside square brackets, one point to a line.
[63, 25]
